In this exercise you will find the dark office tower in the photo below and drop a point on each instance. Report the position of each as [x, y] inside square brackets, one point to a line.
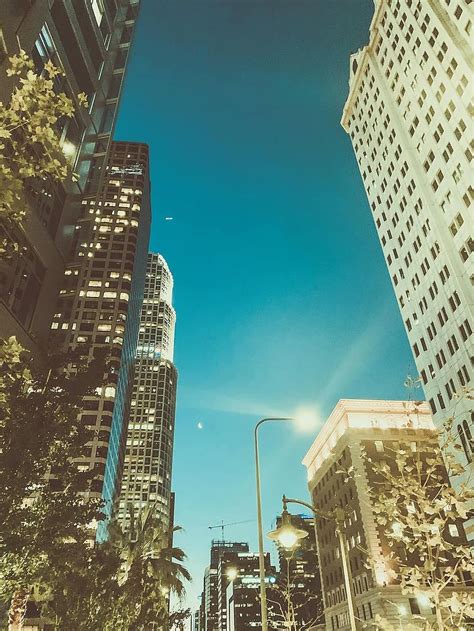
[211, 597]
[100, 303]
[242, 592]
[90, 41]
[299, 578]
[149, 451]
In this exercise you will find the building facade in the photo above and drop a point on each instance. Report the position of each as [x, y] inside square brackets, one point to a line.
[100, 303]
[213, 595]
[149, 449]
[90, 41]
[408, 116]
[242, 591]
[357, 430]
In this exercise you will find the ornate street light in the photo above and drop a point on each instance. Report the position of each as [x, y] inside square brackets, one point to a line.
[304, 420]
[287, 534]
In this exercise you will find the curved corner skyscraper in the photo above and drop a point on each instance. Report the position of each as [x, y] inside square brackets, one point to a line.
[149, 451]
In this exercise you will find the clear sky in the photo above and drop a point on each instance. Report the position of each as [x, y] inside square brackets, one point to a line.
[281, 291]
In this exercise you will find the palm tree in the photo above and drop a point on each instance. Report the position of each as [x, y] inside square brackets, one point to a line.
[150, 569]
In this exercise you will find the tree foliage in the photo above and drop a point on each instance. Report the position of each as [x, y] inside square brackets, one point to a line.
[150, 568]
[46, 548]
[125, 583]
[44, 515]
[178, 619]
[30, 146]
[421, 515]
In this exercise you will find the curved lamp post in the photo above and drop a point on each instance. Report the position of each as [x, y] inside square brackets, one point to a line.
[288, 536]
[261, 551]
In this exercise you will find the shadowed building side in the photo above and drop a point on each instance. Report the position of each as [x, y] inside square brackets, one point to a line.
[90, 42]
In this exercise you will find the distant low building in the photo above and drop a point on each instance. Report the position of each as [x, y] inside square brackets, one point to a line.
[242, 592]
[212, 596]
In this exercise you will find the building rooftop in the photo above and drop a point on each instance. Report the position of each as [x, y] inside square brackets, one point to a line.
[366, 414]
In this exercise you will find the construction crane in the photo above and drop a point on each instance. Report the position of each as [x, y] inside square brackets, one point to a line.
[234, 523]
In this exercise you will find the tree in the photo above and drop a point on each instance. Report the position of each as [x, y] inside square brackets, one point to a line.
[421, 516]
[178, 619]
[30, 148]
[150, 570]
[45, 515]
[290, 606]
[123, 583]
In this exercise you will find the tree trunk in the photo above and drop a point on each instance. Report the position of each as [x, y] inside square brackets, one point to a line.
[17, 611]
[439, 615]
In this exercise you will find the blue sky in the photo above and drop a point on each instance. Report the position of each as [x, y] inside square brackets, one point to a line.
[281, 290]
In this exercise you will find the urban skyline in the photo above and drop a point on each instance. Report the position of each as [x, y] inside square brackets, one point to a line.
[322, 311]
[280, 310]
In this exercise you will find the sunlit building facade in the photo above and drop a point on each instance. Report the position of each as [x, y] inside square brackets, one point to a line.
[149, 449]
[100, 304]
[408, 114]
[357, 430]
[90, 40]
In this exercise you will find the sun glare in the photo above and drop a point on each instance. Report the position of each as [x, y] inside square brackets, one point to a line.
[307, 418]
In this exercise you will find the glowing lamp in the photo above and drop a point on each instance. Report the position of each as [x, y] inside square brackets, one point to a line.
[232, 573]
[286, 534]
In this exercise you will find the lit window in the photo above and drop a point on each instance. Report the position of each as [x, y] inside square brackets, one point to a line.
[453, 530]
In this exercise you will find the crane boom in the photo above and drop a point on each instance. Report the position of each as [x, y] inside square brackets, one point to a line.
[222, 526]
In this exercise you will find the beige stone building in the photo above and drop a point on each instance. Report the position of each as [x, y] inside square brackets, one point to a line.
[378, 428]
[408, 114]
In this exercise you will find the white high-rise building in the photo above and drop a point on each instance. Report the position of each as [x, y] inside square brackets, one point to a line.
[149, 449]
[408, 114]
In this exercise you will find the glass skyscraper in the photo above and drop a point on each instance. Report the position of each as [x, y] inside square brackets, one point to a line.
[149, 450]
[99, 305]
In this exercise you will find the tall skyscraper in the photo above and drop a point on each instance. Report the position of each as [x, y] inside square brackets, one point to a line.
[90, 41]
[149, 451]
[100, 303]
[378, 429]
[408, 116]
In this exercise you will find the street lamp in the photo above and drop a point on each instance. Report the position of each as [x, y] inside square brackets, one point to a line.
[232, 573]
[305, 419]
[288, 536]
[261, 552]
